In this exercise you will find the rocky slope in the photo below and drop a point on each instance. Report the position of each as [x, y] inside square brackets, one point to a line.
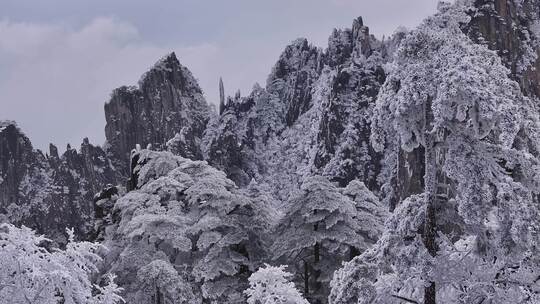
[311, 118]
[50, 192]
[313, 115]
[512, 28]
[167, 101]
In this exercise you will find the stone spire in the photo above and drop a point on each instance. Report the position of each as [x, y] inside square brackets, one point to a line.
[221, 96]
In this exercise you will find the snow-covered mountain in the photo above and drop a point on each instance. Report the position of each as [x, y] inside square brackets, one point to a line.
[335, 159]
[311, 118]
[167, 101]
[47, 191]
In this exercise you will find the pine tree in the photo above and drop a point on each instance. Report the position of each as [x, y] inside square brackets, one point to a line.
[321, 228]
[271, 285]
[162, 284]
[453, 98]
[190, 215]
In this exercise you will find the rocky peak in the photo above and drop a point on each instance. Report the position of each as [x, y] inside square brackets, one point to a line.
[14, 139]
[53, 151]
[316, 105]
[346, 44]
[221, 96]
[167, 101]
[293, 76]
[343, 152]
[169, 71]
[51, 193]
[361, 38]
[16, 153]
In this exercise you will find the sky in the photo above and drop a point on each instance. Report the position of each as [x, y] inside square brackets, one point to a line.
[60, 59]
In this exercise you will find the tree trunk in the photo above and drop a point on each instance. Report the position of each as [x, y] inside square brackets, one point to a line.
[353, 252]
[158, 295]
[316, 260]
[316, 270]
[317, 252]
[430, 223]
[306, 279]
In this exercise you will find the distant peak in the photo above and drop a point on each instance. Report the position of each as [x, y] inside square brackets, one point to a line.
[5, 123]
[170, 57]
[168, 66]
[300, 42]
[296, 47]
[9, 123]
[358, 22]
[167, 62]
[53, 150]
[358, 27]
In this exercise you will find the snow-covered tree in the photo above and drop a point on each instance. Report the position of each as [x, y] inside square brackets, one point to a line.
[32, 273]
[321, 228]
[161, 283]
[271, 285]
[389, 270]
[343, 151]
[453, 99]
[370, 212]
[191, 215]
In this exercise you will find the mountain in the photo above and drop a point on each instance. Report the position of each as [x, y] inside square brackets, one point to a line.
[203, 213]
[50, 192]
[311, 118]
[167, 101]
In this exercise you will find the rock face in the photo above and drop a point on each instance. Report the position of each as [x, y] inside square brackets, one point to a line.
[293, 76]
[512, 28]
[312, 117]
[167, 101]
[50, 192]
[16, 155]
[344, 152]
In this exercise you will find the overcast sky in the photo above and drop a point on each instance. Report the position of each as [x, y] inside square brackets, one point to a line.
[60, 59]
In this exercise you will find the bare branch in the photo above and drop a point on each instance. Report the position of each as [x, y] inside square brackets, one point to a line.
[405, 299]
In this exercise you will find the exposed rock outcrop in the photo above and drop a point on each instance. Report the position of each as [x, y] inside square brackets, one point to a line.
[167, 101]
[315, 109]
[512, 28]
[293, 76]
[50, 192]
